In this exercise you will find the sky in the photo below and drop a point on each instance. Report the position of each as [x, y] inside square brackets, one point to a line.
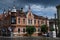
[38, 7]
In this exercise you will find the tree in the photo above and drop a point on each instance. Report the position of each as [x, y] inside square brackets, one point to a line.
[30, 30]
[44, 28]
[51, 28]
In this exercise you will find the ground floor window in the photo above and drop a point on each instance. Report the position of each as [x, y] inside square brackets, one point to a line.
[23, 30]
[39, 30]
[18, 30]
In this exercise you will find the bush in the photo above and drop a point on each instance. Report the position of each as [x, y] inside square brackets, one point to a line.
[44, 28]
[30, 30]
[51, 29]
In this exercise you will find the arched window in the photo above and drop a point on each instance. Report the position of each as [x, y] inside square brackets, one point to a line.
[18, 30]
[39, 29]
[24, 21]
[23, 30]
[19, 20]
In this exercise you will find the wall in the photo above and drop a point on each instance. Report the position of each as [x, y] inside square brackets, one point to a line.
[28, 38]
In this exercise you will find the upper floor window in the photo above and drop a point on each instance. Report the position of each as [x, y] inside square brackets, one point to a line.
[34, 21]
[18, 30]
[38, 21]
[19, 20]
[13, 20]
[24, 21]
[29, 21]
[42, 22]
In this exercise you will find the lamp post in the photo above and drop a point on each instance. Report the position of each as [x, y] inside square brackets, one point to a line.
[55, 24]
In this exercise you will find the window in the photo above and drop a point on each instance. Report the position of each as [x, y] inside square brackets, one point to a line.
[38, 21]
[13, 20]
[29, 21]
[24, 21]
[38, 29]
[24, 30]
[42, 22]
[34, 21]
[18, 30]
[19, 20]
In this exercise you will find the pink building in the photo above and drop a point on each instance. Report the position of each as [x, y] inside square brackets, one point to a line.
[17, 20]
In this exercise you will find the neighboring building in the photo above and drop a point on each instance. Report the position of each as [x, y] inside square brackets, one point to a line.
[15, 21]
[53, 25]
[58, 17]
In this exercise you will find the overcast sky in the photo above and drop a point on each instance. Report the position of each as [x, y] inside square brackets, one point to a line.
[38, 7]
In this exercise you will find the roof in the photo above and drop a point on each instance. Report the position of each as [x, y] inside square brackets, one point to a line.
[38, 17]
[21, 14]
[53, 21]
[5, 15]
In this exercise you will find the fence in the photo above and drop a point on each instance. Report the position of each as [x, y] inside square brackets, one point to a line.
[28, 38]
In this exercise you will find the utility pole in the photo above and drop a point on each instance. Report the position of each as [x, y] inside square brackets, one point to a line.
[55, 24]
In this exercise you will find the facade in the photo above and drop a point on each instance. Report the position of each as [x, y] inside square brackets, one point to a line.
[53, 25]
[15, 21]
[58, 17]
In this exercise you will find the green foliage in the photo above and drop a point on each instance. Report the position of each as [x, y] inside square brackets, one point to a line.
[30, 30]
[51, 29]
[44, 28]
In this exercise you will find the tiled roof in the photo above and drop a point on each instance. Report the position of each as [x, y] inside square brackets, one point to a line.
[38, 17]
[21, 14]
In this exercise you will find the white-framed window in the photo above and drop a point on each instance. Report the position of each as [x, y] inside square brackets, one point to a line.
[29, 21]
[19, 20]
[39, 30]
[18, 30]
[23, 21]
[34, 21]
[24, 30]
